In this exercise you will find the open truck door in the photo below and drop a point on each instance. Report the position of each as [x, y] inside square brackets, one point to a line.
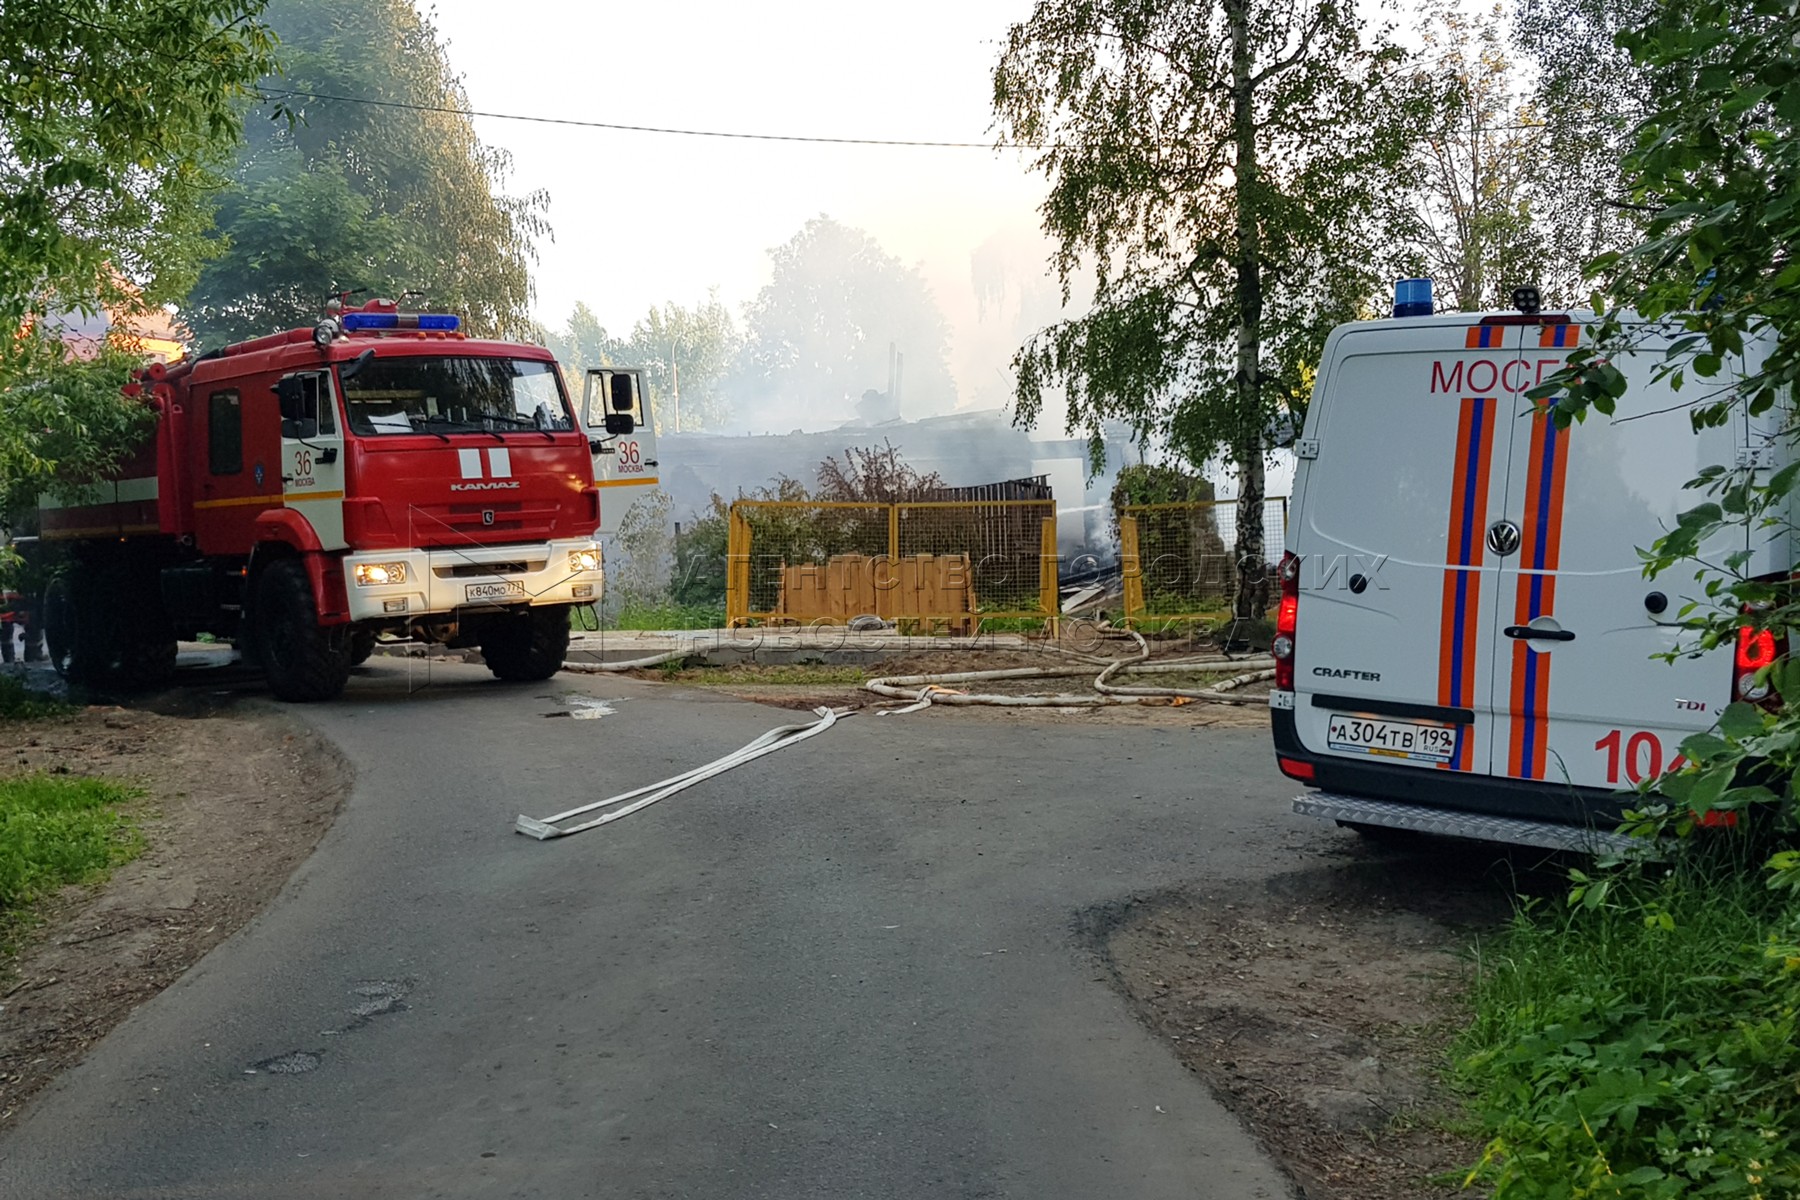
[616, 411]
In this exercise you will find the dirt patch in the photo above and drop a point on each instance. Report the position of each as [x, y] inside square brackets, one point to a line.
[1319, 1005]
[786, 687]
[232, 805]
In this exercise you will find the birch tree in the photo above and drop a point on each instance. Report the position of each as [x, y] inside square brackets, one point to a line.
[1218, 167]
[1477, 223]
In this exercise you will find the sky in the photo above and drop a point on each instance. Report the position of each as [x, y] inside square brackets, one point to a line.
[640, 219]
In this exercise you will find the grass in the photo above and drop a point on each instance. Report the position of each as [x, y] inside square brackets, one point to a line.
[58, 829]
[19, 703]
[1642, 1041]
[655, 616]
[748, 675]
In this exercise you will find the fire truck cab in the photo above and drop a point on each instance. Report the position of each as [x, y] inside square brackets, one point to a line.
[381, 472]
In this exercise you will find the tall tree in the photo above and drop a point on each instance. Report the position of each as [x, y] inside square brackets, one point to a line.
[819, 335]
[113, 120]
[686, 354]
[1218, 166]
[381, 189]
[582, 343]
[1474, 226]
[1591, 95]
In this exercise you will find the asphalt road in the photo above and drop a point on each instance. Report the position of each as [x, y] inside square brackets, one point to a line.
[853, 968]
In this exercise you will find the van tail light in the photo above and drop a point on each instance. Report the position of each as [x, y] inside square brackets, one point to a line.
[1286, 620]
[1293, 768]
[1757, 649]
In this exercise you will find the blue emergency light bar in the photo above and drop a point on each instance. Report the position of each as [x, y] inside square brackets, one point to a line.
[1412, 298]
[354, 321]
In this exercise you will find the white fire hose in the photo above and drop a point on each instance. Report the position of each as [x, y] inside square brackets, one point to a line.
[776, 739]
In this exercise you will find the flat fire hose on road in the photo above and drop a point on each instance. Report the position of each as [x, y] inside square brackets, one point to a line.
[776, 739]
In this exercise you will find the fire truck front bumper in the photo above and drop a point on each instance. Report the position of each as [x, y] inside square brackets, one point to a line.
[398, 584]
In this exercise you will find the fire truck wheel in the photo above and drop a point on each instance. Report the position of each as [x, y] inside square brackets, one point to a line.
[529, 646]
[75, 632]
[362, 644]
[303, 660]
[147, 658]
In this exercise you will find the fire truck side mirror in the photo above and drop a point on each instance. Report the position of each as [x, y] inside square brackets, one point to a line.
[622, 399]
[292, 399]
[299, 408]
[621, 402]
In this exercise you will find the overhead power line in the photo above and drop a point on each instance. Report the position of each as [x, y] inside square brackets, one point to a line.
[279, 93]
[275, 94]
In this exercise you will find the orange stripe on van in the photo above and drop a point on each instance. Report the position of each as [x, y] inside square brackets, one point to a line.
[1459, 635]
[1540, 552]
[1563, 336]
[1484, 337]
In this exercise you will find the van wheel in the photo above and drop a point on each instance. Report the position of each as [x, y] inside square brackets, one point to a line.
[527, 647]
[304, 661]
[362, 645]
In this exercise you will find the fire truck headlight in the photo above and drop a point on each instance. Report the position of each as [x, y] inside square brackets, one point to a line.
[376, 574]
[325, 333]
[583, 560]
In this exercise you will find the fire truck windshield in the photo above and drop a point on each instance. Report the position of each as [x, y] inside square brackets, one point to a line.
[444, 395]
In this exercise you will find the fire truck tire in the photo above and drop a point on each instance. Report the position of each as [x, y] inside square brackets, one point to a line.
[75, 632]
[527, 647]
[146, 657]
[304, 661]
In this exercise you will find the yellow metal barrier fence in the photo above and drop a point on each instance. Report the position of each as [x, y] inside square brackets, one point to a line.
[928, 563]
[1178, 559]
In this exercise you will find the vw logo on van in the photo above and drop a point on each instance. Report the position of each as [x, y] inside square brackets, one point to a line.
[1503, 537]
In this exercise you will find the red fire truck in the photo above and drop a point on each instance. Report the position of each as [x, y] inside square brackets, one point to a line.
[309, 490]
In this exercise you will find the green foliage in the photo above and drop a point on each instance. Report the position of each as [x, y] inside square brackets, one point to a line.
[56, 830]
[687, 354]
[637, 573]
[114, 118]
[1590, 97]
[1475, 226]
[1224, 171]
[64, 423]
[1154, 483]
[652, 615]
[1717, 165]
[20, 703]
[818, 334]
[1641, 1045]
[329, 195]
[700, 565]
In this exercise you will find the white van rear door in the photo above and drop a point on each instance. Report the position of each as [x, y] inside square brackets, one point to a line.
[1579, 696]
[1412, 431]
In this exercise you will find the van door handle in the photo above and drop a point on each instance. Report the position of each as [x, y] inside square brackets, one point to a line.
[1527, 633]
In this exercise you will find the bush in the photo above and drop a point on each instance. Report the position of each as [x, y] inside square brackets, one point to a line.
[56, 830]
[20, 703]
[1641, 1043]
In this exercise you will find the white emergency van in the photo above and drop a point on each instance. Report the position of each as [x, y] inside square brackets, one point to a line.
[1466, 642]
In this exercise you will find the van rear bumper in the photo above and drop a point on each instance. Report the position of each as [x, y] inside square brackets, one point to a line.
[1526, 799]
